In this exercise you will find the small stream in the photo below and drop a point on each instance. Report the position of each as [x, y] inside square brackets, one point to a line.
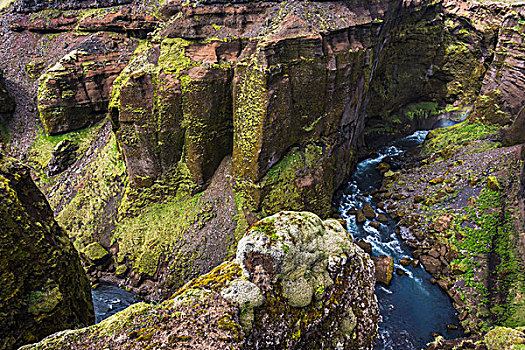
[412, 308]
[109, 300]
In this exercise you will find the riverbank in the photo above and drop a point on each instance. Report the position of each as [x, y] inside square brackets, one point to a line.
[457, 202]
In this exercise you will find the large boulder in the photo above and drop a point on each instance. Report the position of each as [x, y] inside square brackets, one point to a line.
[43, 287]
[297, 282]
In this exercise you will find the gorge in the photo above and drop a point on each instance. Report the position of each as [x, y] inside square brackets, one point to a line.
[166, 134]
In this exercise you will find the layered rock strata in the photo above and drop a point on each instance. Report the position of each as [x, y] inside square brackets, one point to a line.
[293, 91]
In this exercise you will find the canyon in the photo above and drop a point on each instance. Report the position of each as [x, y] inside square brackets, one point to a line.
[163, 133]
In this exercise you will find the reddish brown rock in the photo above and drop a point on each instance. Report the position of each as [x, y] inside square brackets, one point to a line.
[431, 264]
[74, 93]
[384, 269]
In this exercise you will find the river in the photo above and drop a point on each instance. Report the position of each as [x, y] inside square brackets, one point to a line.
[412, 308]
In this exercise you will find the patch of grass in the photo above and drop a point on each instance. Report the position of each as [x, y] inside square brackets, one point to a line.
[448, 140]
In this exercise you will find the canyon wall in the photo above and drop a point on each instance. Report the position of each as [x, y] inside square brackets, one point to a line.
[223, 113]
[43, 287]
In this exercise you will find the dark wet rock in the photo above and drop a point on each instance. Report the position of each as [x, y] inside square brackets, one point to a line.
[43, 287]
[405, 261]
[360, 217]
[375, 224]
[384, 269]
[368, 211]
[366, 246]
[400, 272]
[62, 157]
[382, 218]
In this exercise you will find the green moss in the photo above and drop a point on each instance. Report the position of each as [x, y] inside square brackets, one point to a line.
[92, 210]
[282, 187]
[145, 238]
[488, 109]
[249, 114]
[44, 302]
[95, 252]
[460, 135]
[43, 146]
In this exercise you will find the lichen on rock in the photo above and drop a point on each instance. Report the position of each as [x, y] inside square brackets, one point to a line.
[43, 287]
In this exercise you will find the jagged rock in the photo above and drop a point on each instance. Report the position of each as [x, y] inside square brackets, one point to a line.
[382, 218]
[366, 246]
[62, 157]
[384, 269]
[287, 268]
[43, 287]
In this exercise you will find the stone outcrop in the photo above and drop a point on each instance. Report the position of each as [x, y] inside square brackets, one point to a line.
[43, 287]
[266, 90]
[74, 93]
[296, 282]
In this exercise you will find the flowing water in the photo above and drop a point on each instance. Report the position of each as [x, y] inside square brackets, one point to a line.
[412, 308]
[109, 300]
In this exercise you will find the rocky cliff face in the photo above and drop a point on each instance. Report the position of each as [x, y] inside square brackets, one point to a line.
[43, 288]
[296, 282]
[291, 91]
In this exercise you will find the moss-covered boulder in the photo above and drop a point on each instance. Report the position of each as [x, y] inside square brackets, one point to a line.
[502, 338]
[297, 282]
[95, 253]
[43, 288]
